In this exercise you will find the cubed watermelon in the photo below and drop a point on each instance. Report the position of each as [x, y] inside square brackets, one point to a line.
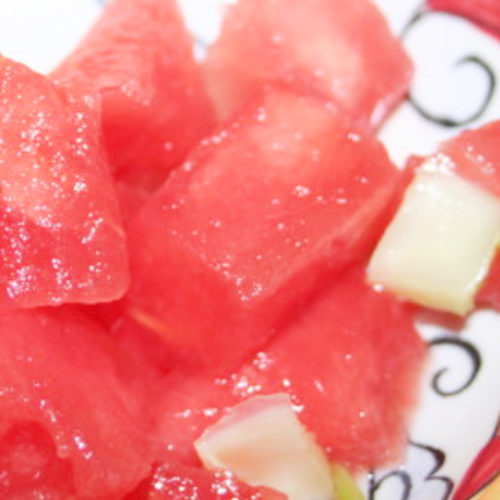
[87, 430]
[340, 49]
[351, 363]
[475, 155]
[138, 56]
[277, 201]
[61, 238]
[486, 13]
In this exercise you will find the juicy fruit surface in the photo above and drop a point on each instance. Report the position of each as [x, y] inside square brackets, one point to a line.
[283, 195]
[475, 155]
[177, 482]
[484, 12]
[138, 57]
[59, 378]
[344, 52]
[30, 467]
[237, 260]
[439, 246]
[333, 361]
[263, 442]
[61, 238]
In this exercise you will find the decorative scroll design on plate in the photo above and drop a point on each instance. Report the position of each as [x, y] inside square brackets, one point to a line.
[471, 59]
[439, 457]
[419, 478]
[376, 484]
[414, 485]
[472, 355]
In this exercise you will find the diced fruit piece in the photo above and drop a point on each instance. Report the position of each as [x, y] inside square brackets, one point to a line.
[339, 49]
[351, 362]
[138, 56]
[438, 248]
[177, 482]
[263, 443]
[58, 370]
[474, 154]
[61, 238]
[484, 12]
[282, 197]
[345, 487]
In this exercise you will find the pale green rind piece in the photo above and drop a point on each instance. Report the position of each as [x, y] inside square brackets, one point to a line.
[345, 486]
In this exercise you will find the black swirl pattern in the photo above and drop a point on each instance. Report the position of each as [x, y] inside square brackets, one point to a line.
[474, 59]
[402, 476]
[439, 457]
[435, 459]
[407, 481]
[473, 356]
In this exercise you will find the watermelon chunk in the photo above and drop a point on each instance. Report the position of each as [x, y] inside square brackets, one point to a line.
[340, 49]
[474, 155]
[485, 13]
[350, 362]
[87, 428]
[177, 482]
[281, 197]
[61, 238]
[138, 57]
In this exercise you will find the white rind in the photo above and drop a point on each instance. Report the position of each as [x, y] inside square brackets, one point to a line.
[439, 246]
[263, 443]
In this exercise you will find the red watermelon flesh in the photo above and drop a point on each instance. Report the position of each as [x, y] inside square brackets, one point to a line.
[61, 238]
[30, 467]
[489, 294]
[189, 402]
[283, 195]
[351, 363]
[177, 482]
[474, 154]
[58, 375]
[486, 13]
[340, 49]
[138, 56]
[132, 198]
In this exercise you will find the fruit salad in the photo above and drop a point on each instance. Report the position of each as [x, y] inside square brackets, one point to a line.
[212, 271]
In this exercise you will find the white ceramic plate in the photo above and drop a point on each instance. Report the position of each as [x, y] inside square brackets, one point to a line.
[456, 67]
